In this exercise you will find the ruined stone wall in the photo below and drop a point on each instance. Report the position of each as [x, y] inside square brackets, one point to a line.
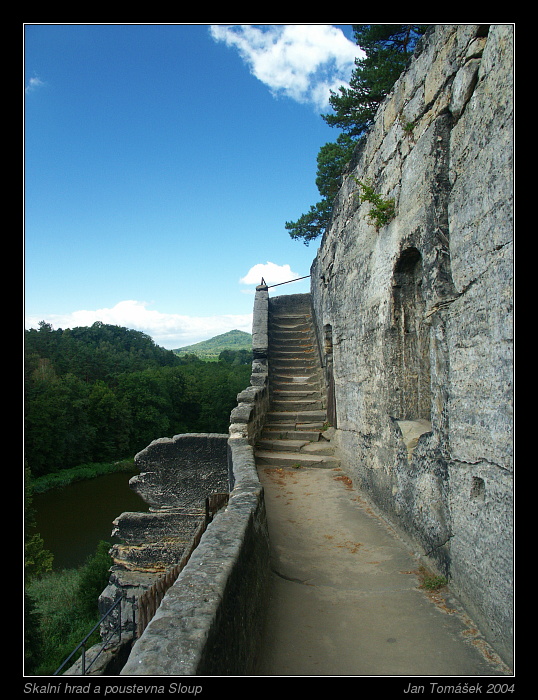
[176, 476]
[209, 621]
[419, 314]
[248, 417]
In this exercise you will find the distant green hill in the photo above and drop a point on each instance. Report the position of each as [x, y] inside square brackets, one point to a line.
[211, 349]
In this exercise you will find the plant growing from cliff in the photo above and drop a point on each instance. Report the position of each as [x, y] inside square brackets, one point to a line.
[332, 159]
[382, 210]
[387, 49]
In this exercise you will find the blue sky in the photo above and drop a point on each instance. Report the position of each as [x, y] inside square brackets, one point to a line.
[161, 164]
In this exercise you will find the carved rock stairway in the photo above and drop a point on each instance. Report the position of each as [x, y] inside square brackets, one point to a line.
[295, 433]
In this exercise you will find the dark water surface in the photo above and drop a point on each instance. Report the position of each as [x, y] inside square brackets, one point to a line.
[73, 519]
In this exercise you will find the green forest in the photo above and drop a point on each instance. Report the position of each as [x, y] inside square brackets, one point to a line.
[102, 393]
[94, 397]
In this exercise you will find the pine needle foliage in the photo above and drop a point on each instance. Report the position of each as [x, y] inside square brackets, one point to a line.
[387, 50]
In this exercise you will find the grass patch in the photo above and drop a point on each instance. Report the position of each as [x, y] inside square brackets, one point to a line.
[61, 610]
[64, 477]
[429, 581]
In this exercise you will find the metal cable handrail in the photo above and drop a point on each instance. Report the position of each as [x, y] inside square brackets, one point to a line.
[213, 504]
[269, 286]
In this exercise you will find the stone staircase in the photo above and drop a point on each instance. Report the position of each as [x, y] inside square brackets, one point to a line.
[295, 433]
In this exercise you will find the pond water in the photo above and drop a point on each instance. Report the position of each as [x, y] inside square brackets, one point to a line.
[72, 520]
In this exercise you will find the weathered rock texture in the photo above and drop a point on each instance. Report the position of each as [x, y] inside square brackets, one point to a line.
[176, 476]
[415, 318]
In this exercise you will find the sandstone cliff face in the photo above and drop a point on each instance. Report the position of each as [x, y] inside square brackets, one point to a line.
[418, 314]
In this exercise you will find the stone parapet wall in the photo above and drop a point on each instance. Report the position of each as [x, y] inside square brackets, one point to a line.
[247, 419]
[419, 313]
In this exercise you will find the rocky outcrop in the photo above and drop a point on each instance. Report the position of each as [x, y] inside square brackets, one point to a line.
[418, 314]
[176, 477]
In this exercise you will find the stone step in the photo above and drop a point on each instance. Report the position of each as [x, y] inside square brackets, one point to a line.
[286, 395]
[283, 341]
[294, 406]
[287, 374]
[279, 444]
[307, 379]
[322, 447]
[301, 417]
[293, 364]
[289, 322]
[295, 459]
[290, 318]
[304, 331]
[277, 387]
[291, 350]
[291, 425]
[290, 392]
[281, 432]
[280, 335]
[293, 354]
[298, 327]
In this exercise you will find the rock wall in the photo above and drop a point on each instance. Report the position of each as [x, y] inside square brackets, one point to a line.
[416, 316]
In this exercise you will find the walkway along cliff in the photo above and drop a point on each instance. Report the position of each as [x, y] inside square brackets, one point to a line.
[416, 316]
[412, 323]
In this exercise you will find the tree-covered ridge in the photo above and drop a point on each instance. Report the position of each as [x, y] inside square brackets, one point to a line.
[388, 48]
[211, 349]
[103, 393]
[92, 352]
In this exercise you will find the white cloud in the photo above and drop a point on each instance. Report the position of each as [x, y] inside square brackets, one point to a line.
[301, 61]
[271, 273]
[167, 330]
[33, 84]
